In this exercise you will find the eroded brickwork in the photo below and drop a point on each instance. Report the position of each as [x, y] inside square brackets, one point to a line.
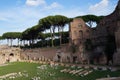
[9, 54]
[79, 31]
[108, 26]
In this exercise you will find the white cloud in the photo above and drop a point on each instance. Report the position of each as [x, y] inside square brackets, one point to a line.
[70, 12]
[100, 5]
[100, 8]
[54, 5]
[35, 2]
[43, 4]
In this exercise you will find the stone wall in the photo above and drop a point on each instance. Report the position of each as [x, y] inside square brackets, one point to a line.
[42, 53]
[38, 53]
[117, 35]
[9, 54]
[117, 54]
[108, 26]
[79, 31]
[113, 78]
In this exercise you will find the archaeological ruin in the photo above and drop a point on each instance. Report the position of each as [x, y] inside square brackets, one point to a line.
[98, 45]
[9, 54]
[103, 36]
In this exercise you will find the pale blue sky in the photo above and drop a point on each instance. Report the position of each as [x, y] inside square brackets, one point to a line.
[18, 15]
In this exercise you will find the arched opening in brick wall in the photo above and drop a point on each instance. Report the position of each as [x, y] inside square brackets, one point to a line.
[11, 54]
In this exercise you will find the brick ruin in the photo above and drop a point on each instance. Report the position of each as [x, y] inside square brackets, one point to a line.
[79, 31]
[108, 26]
[9, 54]
[80, 34]
[117, 53]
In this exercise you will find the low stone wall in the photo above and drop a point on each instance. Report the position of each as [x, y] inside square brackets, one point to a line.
[38, 53]
[113, 78]
[41, 53]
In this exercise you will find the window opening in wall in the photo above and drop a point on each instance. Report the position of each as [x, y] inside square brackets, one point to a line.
[11, 54]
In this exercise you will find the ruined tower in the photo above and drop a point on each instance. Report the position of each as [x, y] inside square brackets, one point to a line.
[79, 31]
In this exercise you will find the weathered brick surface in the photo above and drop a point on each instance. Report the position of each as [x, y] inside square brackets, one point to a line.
[9, 54]
[109, 25]
[79, 31]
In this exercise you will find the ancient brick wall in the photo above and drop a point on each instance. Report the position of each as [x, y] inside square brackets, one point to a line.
[9, 54]
[79, 31]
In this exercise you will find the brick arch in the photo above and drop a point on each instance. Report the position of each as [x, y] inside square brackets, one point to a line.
[11, 54]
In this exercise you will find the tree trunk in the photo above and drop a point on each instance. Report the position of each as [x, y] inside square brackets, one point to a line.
[32, 41]
[18, 42]
[23, 42]
[59, 34]
[53, 29]
[29, 42]
[60, 37]
[51, 38]
[62, 33]
[11, 42]
[8, 42]
[46, 40]
[90, 24]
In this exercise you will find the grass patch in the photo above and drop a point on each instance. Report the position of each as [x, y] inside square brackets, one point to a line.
[30, 71]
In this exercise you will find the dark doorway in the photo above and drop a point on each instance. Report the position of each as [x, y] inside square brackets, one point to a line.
[74, 59]
[11, 54]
